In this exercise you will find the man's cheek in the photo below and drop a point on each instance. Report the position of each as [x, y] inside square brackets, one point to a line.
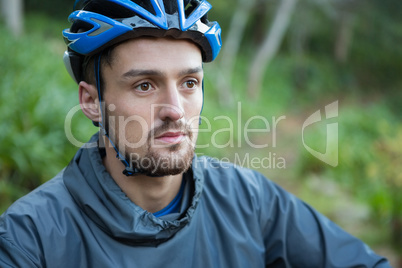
[133, 132]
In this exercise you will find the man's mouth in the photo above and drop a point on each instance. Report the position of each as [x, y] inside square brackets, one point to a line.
[171, 137]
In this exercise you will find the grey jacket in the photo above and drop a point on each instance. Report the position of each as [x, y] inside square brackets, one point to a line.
[230, 217]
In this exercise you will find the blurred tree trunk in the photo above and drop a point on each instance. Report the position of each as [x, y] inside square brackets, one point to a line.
[230, 50]
[270, 46]
[13, 13]
[344, 36]
[303, 26]
[261, 12]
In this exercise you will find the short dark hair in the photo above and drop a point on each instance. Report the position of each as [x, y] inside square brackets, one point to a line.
[88, 66]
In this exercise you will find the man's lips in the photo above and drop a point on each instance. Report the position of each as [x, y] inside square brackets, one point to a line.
[171, 137]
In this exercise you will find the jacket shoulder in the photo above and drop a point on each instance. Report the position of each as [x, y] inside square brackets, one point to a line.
[227, 173]
[25, 225]
[238, 185]
[41, 199]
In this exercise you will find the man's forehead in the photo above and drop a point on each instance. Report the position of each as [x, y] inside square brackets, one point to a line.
[157, 54]
[155, 44]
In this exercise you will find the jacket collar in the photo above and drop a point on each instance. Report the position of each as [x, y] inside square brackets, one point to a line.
[103, 201]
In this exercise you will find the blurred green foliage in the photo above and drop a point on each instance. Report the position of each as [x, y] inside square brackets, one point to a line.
[35, 96]
[370, 157]
[54, 9]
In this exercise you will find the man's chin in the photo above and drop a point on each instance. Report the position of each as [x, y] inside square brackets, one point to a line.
[163, 164]
[161, 170]
[166, 172]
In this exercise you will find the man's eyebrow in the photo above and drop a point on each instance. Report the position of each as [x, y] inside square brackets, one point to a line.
[139, 72]
[194, 70]
[136, 72]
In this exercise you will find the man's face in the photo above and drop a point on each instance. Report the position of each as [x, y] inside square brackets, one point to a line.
[153, 99]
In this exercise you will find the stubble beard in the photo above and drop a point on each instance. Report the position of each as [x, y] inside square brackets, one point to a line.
[177, 161]
[157, 160]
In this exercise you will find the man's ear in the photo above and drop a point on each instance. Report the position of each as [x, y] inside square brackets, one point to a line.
[89, 101]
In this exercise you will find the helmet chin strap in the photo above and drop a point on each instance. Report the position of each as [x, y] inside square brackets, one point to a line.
[128, 170]
[202, 107]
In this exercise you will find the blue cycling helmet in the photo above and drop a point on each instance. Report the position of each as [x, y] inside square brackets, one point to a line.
[98, 24]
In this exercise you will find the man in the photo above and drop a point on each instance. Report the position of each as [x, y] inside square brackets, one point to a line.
[139, 69]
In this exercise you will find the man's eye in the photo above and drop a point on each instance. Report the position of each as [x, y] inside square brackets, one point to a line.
[190, 84]
[144, 87]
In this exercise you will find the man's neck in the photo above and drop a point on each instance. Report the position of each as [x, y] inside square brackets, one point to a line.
[149, 193]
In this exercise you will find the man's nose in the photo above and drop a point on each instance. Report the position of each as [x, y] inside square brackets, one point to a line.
[171, 105]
